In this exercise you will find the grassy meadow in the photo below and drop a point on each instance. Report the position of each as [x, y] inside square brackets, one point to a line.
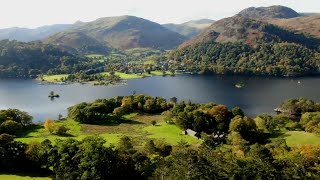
[137, 126]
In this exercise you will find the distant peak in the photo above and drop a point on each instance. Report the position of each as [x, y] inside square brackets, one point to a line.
[276, 11]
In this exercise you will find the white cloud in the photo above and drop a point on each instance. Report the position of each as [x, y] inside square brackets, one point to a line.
[33, 13]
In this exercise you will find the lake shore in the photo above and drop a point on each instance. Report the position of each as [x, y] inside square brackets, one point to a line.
[60, 78]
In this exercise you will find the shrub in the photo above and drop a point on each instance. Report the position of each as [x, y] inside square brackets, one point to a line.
[10, 127]
[153, 122]
[61, 130]
[49, 125]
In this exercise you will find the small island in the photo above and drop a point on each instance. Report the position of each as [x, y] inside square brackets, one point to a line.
[53, 95]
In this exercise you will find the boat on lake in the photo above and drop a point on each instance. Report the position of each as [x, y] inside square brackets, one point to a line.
[239, 85]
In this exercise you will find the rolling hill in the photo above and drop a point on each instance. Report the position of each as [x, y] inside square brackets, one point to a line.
[77, 42]
[122, 32]
[190, 29]
[27, 35]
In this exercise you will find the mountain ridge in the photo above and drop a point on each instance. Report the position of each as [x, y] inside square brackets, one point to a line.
[127, 32]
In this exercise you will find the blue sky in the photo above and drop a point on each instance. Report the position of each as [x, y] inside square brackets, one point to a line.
[34, 13]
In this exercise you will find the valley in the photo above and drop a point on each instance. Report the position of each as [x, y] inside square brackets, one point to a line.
[129, 97]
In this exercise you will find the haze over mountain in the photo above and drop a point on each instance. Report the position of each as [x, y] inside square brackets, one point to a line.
[27, 35]
[190, 28]
[280, 12]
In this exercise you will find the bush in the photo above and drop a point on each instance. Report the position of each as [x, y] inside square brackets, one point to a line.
[125, 144]
[49, 125]
[10, 127]
[61, 130]
[153, 122]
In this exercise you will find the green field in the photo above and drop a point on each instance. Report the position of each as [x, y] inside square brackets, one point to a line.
[169, 133]
[137, 126]
[17, 177]
[95, 56]
[296, 138]
[136, 76]
[54, 78]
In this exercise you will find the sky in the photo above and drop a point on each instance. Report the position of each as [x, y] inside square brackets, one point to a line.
[35, 13]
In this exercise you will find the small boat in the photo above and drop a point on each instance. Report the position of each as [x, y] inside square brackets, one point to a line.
[299, 82]
[239, 85]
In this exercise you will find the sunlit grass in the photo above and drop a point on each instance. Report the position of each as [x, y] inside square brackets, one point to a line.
[296, 138]
[169, 133]
[54, 78]
[17, 177]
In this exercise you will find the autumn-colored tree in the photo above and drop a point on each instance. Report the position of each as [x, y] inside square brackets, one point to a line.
[219, 112]
[49, 125]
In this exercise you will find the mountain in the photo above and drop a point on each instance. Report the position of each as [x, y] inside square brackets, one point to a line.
[27, 35]
[308, 24]
[190, 28]
[240, 45]
[280, 12]
[77, 42]
[122, 32]
[248, 31]
[21, 59]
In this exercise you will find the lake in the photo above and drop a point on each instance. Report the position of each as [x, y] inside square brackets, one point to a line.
[260, 94]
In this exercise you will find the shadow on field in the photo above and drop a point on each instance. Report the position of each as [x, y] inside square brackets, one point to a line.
[25, 131]
[113, 121]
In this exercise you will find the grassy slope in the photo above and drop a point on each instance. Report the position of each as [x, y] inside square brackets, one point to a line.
[54, 78]
[136, 126]
[17, 177]
[296, 138]
[169, 133]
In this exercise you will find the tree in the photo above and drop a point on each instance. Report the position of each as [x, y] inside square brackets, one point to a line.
[125, 144]
[153, 122]
[245, 126]
[311, 122]
[163, 148]
[61, 130]
[49, 125]
[174, 100]
[119, 112]
[10, 127]
[269, 122]
[237, 111]
[16, 115]
[150, 147]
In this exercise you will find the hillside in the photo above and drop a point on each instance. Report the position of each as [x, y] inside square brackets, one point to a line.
[24, 60]
[123, 32]
[250, 32]
[280, 12]
[27, 35]
[308, 25]
[190, 29]
[77, 42]
[240, 45]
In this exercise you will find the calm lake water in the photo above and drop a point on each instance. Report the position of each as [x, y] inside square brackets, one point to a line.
[260, 95]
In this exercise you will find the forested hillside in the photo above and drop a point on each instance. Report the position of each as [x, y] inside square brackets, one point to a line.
[24, 60]
[239, 45]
